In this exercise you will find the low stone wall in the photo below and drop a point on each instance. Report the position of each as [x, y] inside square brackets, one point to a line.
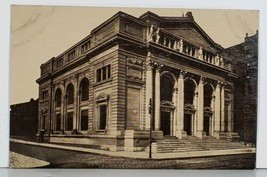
[104, 142]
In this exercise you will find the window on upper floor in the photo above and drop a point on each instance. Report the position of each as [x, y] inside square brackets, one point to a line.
[71, 55]
[45, 95]
[85, 46]
[84, 89]
[103, 73]
[58, 97]
[70, 94]
[59, 63]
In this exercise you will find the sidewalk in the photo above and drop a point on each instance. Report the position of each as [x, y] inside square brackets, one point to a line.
[22, 161]
[143, 155]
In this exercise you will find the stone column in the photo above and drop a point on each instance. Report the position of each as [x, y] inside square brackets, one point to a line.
[222, 109]
[213, 115]
[230, 115]
[200, 110]
[149, 90]
[63, 110]
[157, 97]
[76, 118]
[195, 115]
[175, 117]
[180, 110]
[217, 110]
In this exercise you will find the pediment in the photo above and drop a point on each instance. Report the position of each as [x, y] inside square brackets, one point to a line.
[208, 109]
[167, 104]
[102, 97]
[189, 107]
[195, 37]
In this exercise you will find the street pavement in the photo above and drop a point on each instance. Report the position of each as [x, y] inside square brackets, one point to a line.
[59, 158]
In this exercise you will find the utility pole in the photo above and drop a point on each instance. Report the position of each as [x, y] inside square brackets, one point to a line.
[150, 130]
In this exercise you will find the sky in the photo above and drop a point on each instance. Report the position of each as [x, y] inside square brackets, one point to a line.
[39, 33]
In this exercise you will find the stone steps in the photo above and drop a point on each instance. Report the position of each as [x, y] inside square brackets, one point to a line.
[172, 145]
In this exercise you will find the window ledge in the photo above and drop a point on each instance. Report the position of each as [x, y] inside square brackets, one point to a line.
[102, 82]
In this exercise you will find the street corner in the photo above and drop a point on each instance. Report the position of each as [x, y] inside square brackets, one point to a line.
[21, 161]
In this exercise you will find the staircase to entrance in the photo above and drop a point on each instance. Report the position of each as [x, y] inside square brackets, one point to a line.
[172, 144]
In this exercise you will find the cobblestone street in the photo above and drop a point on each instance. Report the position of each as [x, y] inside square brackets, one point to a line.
[69, 159]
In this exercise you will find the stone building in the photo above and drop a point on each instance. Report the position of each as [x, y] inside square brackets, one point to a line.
[246, 66]
[99, 91]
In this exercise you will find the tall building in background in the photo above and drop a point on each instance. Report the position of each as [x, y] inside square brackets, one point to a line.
[99, 91]
[245, 57]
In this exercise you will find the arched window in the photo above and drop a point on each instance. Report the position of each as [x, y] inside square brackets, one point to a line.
[208, 92]
[70, 94]
[84, 89]
[189, 91]
[58, 97]
[166, 87]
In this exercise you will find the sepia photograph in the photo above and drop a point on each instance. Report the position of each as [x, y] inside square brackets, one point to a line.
[133, 88]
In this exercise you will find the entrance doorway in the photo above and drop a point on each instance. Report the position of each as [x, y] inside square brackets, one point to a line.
[207, 125]
[165, 122]
[188, 124]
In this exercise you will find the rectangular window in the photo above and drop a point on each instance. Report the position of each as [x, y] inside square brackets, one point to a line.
[84, 120]
[109, 71]
[45, 95]
[71, 55]
[85, 46]
[103, 73]
[69, 121]
[98, 75]
[58, 122]
[59, 63]
[102, 117]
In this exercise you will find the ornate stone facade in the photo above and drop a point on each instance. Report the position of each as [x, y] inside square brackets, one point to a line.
[100, 89]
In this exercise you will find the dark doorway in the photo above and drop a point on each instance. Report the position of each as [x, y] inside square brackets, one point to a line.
[207, 125]
[188, 124]
[103, 117]
[165, 123]
[58, 122]
[84, 120]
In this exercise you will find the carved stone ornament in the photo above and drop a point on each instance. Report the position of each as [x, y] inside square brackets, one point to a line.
[135, 61]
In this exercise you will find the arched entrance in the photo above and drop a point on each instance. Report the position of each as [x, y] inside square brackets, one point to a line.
[207, 126]
[167, 107]
[189, 106]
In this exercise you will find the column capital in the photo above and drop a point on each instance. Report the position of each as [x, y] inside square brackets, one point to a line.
[182, 74]
[149, 65]
[158, 66]
[202, 79]
[222, 84]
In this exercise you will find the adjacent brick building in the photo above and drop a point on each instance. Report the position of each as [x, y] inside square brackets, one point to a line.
[24, 119]
[245, 57]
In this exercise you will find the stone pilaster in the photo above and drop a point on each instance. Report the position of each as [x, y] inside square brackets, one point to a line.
[213, 115]
[217, 110]
[157, 97]
[180, 133]
[222, 109]
[149, 89]
[200, 111]
[76, 119]
[175, 117]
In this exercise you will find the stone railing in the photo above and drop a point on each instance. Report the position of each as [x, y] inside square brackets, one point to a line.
[167, 39]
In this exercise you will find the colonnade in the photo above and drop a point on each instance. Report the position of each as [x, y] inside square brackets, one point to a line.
[217, 115]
